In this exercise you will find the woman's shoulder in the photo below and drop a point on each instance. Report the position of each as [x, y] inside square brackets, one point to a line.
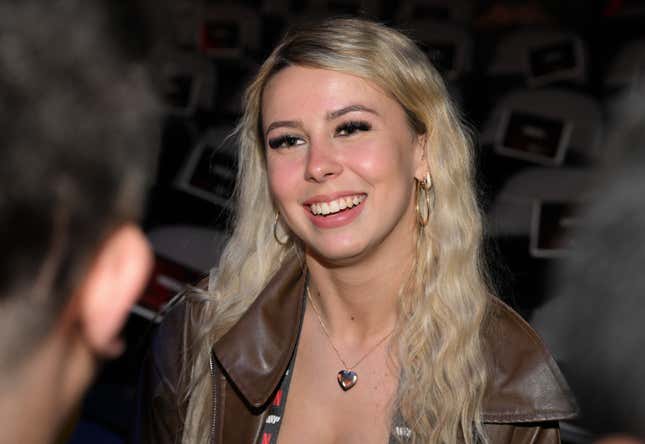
[168, 342]
[525, 383]
[159, 410]
[169, 346]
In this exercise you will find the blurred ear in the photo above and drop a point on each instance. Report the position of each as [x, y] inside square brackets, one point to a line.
[420, 158]
[112, 285]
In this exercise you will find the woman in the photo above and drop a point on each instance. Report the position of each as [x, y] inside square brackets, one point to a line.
[350, 304]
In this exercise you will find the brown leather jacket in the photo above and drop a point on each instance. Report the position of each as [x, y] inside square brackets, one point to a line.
[525, 398]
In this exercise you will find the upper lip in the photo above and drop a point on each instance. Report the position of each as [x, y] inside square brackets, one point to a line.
[320, 198]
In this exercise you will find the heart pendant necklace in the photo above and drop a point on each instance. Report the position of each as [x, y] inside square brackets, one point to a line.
[346, 377]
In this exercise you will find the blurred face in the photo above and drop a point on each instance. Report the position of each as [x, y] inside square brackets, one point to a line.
[341, 161]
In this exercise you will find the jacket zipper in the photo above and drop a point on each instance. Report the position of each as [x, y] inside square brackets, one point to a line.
[214, 393]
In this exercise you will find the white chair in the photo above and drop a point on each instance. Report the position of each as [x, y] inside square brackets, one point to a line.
[581, 111]
[449, 46]
[511, 212]
[183, 254]
[187, 81]
[540, 57]
[210, 169]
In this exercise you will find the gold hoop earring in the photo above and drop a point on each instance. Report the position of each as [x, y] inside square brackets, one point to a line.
[275, 231]
[423, 188]
[427, 182]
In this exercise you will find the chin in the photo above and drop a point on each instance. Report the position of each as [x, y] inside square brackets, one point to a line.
[339, 256]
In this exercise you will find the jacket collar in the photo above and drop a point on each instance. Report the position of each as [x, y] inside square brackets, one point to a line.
[256, 351]
[525, 384]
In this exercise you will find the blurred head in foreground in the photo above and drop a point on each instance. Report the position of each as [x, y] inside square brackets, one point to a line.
[77, 126]
[594, 324]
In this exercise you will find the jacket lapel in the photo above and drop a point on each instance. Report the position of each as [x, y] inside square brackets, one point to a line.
[256, 351]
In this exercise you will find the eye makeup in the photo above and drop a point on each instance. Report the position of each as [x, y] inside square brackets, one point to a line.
[284, 141]
[344, 129]
[351, 127]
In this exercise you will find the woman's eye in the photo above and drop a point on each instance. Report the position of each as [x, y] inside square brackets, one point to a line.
[285, 141]
[350, 128]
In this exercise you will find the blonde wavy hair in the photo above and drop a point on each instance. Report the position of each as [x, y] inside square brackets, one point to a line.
[442, 305]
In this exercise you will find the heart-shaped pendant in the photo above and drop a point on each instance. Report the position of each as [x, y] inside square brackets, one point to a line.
[347, 379]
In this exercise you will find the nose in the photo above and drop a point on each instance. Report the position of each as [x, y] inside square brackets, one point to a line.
[322, 161]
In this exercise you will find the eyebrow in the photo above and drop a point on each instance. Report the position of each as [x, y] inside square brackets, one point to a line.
[348, 109]
[330, 116]
[283, 123]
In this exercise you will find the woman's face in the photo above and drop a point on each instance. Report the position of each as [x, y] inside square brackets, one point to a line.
[341, 160]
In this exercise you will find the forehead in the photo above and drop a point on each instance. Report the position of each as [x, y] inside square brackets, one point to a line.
[299, 89]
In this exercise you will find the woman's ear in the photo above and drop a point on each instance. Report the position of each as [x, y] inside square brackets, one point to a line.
[111, 286]
[421, 167]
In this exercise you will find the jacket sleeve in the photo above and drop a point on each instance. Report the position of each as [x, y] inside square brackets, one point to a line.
[157, 413]
[159, 416]
[542, 433]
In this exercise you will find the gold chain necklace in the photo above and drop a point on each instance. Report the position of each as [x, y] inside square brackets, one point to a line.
[346, 377]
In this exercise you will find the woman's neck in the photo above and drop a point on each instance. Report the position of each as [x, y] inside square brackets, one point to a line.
[359, 301]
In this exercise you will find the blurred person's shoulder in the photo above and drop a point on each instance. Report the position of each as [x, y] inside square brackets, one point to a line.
[525, 384]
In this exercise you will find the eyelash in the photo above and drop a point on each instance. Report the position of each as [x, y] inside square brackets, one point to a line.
[353, 126]
[285, 141]
[348, 128]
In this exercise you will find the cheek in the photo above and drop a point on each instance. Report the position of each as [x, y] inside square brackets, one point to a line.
[283, 174]
[384, 163]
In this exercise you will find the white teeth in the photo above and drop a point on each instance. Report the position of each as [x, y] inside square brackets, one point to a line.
[335, 206]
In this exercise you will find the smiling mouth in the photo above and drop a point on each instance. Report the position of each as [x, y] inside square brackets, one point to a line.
[336, 205]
